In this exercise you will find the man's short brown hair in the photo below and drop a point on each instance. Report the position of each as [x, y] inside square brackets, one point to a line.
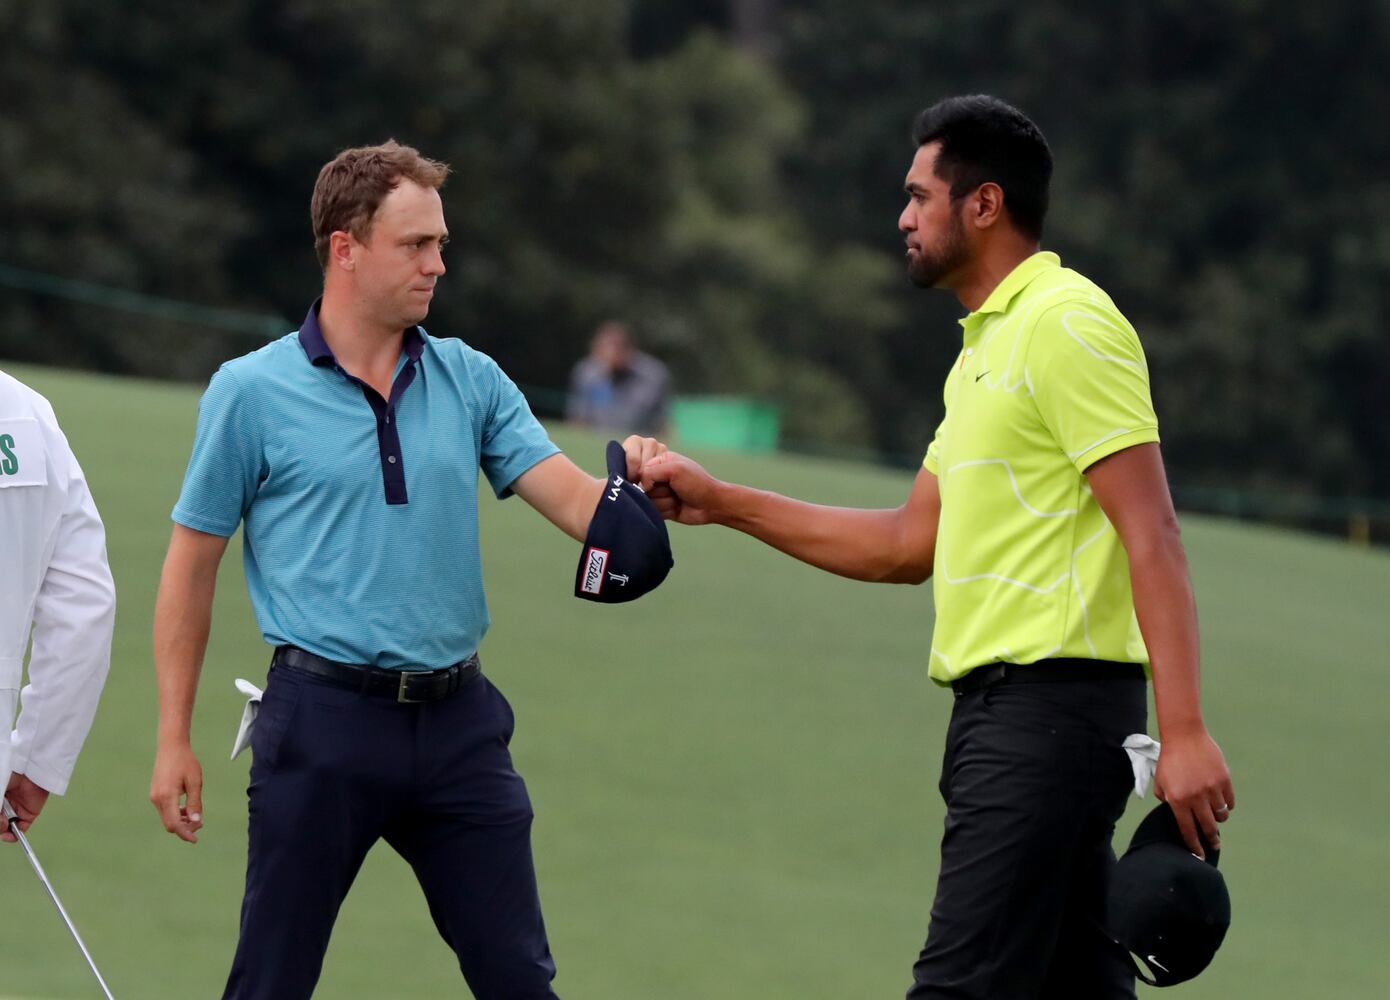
[352, 186]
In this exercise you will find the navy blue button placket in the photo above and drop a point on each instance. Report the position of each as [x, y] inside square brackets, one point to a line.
[388, 440]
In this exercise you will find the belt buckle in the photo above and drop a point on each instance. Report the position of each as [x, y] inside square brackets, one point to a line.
[401, 697]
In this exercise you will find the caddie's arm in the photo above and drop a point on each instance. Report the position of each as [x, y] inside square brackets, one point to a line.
[182, 621]
[882, 546]
[566, 495]
[1192, 778]
[74, 618]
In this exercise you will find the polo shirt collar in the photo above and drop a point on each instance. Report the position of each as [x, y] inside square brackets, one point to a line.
[318, 352]
[1017, 280]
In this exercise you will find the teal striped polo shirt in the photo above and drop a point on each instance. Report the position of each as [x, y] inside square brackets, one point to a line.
[360, 513]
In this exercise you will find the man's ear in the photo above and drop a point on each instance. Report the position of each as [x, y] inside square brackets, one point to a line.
[986, 205]
[341, 247]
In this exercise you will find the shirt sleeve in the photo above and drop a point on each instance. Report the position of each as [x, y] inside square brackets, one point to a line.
[74, 617]
[932, 461]
[227, 464]
[513, 440]
[1090, 382]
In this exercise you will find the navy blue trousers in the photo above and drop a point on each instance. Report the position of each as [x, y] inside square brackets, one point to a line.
[1034, 778]
[334, 772]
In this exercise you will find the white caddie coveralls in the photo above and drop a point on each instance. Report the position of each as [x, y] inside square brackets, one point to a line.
[55, 583]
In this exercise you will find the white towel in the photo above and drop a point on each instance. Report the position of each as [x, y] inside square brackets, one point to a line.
[1143, 758]
[248, 715]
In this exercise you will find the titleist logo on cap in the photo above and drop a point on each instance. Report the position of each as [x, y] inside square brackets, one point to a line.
[593, 571]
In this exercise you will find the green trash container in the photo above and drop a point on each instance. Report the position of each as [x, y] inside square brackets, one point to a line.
[734, 422]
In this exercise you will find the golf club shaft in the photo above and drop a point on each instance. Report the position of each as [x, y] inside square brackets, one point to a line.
[12, 821]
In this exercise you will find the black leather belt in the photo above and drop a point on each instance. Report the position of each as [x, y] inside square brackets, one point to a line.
[405, 686]
[1045, 670]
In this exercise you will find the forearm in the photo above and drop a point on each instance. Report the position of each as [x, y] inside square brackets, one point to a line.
[1167, 613]
[580, 510]
[572, 509]
[562, 493]
[70, 655]
[68, 665]
[1192, 777]
[872, 545]
[182, 623]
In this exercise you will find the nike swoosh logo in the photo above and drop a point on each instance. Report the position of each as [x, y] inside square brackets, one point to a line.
[981, 375]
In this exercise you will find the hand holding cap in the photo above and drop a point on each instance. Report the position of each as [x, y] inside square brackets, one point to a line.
[627, 552]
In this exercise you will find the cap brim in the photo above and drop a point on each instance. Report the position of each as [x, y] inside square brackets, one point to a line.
[617, 468]
[1160, 826]
[617, 460]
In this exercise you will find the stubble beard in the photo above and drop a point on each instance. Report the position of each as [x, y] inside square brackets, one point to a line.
[403, 314]
[930, 267]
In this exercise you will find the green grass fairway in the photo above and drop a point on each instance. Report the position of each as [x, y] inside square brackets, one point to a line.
[734, 779]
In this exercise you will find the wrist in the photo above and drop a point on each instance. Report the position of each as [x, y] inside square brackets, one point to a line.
[174, 739]
[34, 787]
[724, 507]
[1176, 730]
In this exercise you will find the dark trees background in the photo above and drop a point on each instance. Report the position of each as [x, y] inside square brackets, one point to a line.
[1222, 171]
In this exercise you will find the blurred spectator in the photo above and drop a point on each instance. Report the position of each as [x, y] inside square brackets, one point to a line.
[618, 387]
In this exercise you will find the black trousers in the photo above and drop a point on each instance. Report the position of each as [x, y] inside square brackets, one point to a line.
[1034, 779]
[335, 771]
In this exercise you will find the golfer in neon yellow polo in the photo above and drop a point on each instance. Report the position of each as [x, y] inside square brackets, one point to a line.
[1043, 513]
[1050, 380]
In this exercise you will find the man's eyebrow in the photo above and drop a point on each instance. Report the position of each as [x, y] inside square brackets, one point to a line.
[418, 236]
[913, 188]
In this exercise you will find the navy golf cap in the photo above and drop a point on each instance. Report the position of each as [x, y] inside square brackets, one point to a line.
[1166, 905]
[627, 551]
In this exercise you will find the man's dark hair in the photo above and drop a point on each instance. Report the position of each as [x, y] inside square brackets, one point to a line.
[352, 186]
[985, 139]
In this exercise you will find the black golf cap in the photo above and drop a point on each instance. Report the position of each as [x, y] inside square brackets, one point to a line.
[1167, 906]
[627, 552]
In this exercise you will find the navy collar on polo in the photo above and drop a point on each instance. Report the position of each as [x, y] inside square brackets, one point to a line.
[320, 355]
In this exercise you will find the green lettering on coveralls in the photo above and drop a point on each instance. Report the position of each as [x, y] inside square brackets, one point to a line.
[9, 464]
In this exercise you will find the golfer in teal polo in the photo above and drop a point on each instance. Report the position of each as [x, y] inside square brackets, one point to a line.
[350, 452]
[1043, 516]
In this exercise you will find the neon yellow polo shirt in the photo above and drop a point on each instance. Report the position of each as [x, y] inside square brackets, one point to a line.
[1050, 379]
